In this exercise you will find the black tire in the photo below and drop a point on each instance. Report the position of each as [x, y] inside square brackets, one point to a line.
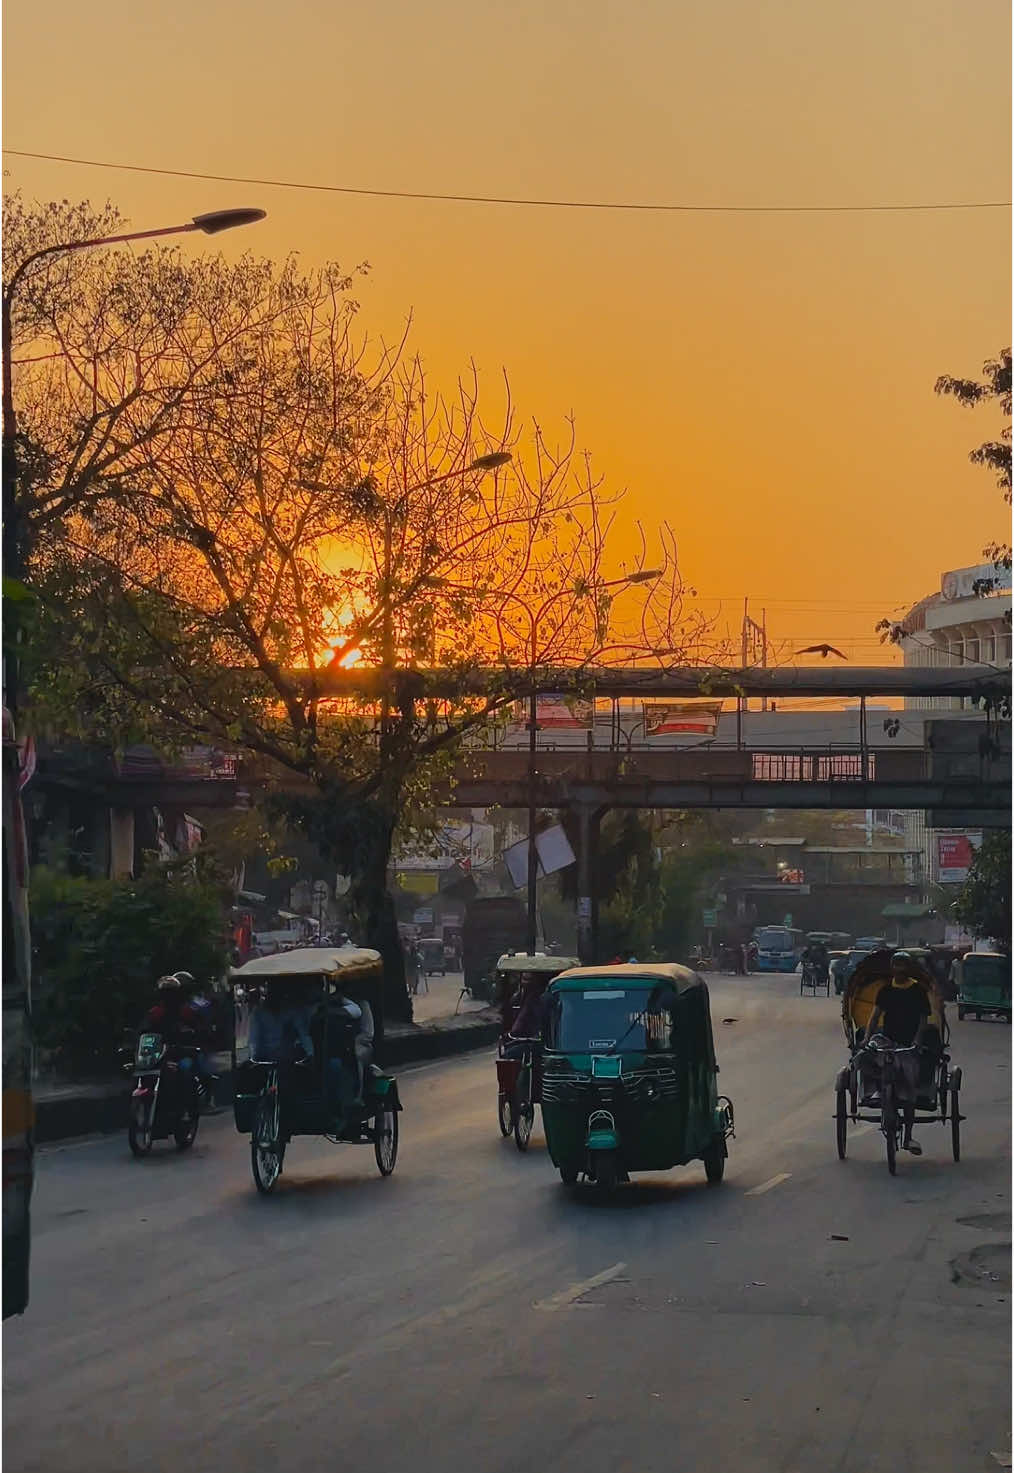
[714, 1164]
[505, 1114]
[385, 1140]
[266, 1151]
[978, 1015]
[961, 1015]
[955, 1126]
[802, 984]
[841, 1123]
[568, 1176]
[524, 1119]
[186, 1132]
[139, 1128]
[607, 1172]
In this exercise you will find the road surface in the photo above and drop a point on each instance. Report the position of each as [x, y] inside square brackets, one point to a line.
[470, 1313]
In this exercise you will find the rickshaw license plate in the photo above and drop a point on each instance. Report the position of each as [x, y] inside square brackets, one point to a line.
[607, 1068]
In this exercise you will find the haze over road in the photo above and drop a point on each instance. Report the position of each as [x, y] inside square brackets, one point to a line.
[446, 1318]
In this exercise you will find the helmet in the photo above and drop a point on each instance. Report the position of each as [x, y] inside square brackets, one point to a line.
[168, 984]
[185, 979]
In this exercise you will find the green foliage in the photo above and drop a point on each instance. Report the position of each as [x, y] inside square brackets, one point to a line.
[99, 946]
[984, 905]
[993, 388]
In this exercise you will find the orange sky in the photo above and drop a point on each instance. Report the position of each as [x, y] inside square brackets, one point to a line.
[764, 381]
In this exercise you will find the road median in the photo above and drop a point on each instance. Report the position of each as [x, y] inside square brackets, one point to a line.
[66, 1110]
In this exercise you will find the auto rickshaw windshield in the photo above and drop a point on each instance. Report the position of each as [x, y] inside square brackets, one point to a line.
[596, 1021]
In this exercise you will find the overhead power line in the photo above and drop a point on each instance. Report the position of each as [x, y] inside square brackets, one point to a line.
[493, 199]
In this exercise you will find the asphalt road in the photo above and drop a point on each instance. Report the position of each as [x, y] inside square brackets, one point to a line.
[471, 1313]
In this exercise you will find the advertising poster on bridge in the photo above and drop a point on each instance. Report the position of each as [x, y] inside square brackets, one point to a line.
[661, 718]
[954, 857]
[564, 713]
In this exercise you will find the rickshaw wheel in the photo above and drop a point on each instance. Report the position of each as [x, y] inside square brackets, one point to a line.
[714, 1164]
[505, 1113]
[889, 1117]
[955, 1126]
[524, 1119]
[266, 1151]
[841, 1122]
[385, 1140]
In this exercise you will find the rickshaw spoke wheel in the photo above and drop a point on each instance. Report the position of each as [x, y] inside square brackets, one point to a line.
[385, 1140]
[266, 1150]
[841, 1123]
[505, 1113]
[524, 1119]
[889, 1119]
[955, 1126]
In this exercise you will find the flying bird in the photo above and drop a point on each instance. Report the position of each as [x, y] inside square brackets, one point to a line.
[823, 650]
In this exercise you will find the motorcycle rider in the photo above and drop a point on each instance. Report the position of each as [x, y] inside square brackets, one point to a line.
[178, 1023]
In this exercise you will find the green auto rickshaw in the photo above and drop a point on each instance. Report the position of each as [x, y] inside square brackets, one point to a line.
[628, 1074]
[984, 984]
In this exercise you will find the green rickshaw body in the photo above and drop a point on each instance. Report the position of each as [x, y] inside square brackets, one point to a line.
[984, 984]
[629, 1068]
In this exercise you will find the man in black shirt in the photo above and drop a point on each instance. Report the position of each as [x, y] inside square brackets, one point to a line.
[902, 1013]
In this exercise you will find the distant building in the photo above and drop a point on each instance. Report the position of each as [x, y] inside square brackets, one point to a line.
[964, 623]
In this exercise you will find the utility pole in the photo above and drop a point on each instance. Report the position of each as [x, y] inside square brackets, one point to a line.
[754, 645]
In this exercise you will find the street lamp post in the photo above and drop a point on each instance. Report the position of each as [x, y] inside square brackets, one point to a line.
[13, 539]
[646, 576]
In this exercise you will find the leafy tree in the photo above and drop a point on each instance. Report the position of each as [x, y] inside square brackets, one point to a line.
[292, 503]
[99, 946]
[984, 905]
[993, 388]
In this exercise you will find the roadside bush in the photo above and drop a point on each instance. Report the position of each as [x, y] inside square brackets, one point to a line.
[98, 947]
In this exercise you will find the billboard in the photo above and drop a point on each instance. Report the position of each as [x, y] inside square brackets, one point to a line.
[954, 857]
[553, 849]
[663, 717]
[564, 713]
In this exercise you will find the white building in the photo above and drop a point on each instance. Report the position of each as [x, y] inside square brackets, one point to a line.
[953, 627]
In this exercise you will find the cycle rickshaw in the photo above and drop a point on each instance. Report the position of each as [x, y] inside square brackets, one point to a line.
[938, 1086]
[518, 1071]
[276, 1100]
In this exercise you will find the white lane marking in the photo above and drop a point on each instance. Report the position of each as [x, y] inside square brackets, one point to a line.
[767, 1186]
[576, 1291]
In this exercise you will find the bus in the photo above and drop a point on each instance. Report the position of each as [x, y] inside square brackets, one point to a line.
[779, 948]
[17, 1049]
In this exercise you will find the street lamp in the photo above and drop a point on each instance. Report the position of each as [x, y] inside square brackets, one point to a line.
[209, 224]
[644, 576]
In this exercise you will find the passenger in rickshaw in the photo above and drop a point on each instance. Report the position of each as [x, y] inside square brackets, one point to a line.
[349, 1034]
[530, 1016]
[902, 1013]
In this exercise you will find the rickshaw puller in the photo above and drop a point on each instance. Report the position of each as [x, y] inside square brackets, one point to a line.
[902, 1013]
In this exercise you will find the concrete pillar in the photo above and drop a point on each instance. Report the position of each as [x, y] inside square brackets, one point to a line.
[121, 843]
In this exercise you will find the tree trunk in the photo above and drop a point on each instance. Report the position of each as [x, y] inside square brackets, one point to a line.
[374, 905]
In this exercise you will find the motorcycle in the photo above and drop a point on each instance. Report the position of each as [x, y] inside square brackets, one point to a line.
[166, 1100]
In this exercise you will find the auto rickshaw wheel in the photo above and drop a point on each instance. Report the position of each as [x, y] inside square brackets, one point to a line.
[841, 1122]
[385, 1140]
[266, 1150]
[607, 1171]
[505, 1113]
[714, 1163]
[961, 1015]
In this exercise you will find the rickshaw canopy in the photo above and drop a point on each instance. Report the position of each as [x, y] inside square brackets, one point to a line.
[539, 961]
[872, 973]
[311, 961]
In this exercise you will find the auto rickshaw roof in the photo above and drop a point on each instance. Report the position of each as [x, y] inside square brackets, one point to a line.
[311, 961]
[538, 961]
[586, 979]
